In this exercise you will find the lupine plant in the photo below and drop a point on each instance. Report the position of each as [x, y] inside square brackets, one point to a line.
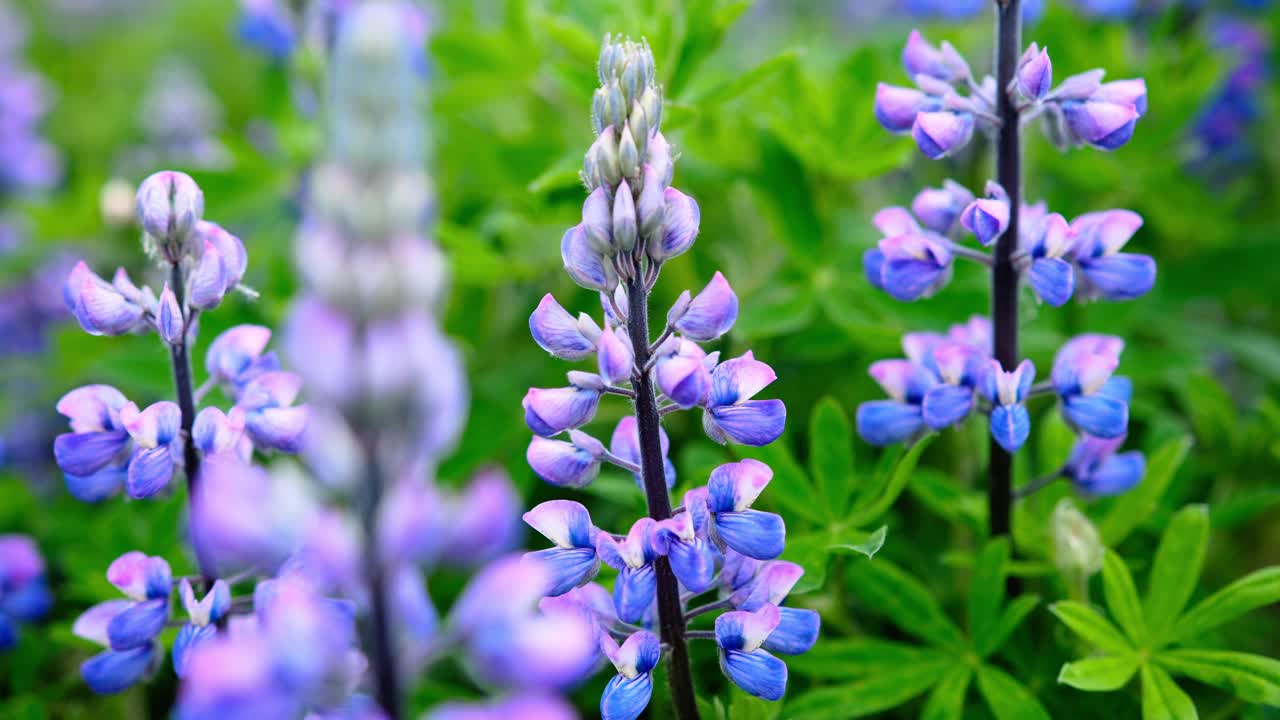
[633, 221]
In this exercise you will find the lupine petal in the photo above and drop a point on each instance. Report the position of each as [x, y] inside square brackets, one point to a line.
[138, 625]
[755, 422]
[92, 623]
[278, 428]
[215, 432]
[939, 208]
[626, 698]
[637, 655]
[885, 422]
[986, 218]
[208, 281]
[757, 673]
[680, 226]
[83, 454]
[694, 564]
[797, 631]
[1117, 474]
[740, 379]
[1131, 92]
[563, 522]
[157, 425]
[895, 221]
[562, 463]
[1122, 276]
[189, 638]
[909, 279]
[169, 321]
[746, 630]
[939, 134]
[711, 312]
[770, 585]
[683, 379]
[1097, 414]
[150, 470]
[761, 535]
[597, 221]
[1105, 125]
[1053, 280]
[234, 351]
[92, 408]
[553, 410]
[873, 267]
[615, 357]
[101, 309]
[557, 332]
[735, 486]
[1118, 387]
[896, 107]
[111, 672]
[582, 262]
[1010, 426]
[634, 591]
[946, 405]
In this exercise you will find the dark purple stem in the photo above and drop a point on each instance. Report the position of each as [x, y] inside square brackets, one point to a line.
[1004, 277]
[670, 610]
[378, 633]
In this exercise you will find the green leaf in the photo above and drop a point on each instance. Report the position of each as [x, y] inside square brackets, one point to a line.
[1250, 592]
[906, 602]
[790, 486]
[1008, 698]
[1162, 699]
[1252, 678]
[986, 587]
[1137, 505]
[855, 657]
[1090, 625]
[1013, 615]
[809, 551]
[1100, 674]
[866, 697]
[866, 510]
[1122, 597]
[831, 456]
[946, 701]
[745, 82]
[1176, 568]
[868, 545]
[746, 707]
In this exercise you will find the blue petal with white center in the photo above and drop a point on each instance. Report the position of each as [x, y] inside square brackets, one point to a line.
[1010, 426]
[189, 637]
[885, 422]
[761, 535]
[797, 631]
[1053, 279]
[626, 698]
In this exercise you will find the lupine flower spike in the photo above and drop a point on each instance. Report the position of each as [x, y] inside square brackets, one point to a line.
[633, 221]
[972, 369]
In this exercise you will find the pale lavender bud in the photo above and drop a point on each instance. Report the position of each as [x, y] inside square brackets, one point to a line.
[169, 320]
[604, 152]
[680, 224]
[939, 134]
[987, 218]
[1079, 86]
[628, 153]
[651, 206]
[597, 221]
[99, 307]
[169, 204]
[659, 158]
[1124, 92]
[919, 57]
[679, 307]
[615, 356]
[939, 208]
[585, 265]
[624, 218]
[1103, 124]
[557, 332]
[1035, 74]
[711, 313]
[896, 107]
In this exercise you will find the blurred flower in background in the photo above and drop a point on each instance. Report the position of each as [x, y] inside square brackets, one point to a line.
[180, 120]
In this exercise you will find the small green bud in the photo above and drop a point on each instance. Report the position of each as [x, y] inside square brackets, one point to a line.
[628, 154]
[639, 122]
[1077, 546]
[616, 105]
[599, 110]
[651, 101]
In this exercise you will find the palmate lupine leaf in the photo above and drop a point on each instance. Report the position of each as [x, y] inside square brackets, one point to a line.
[831, 456]
[946, 700]
[1162, 699]
[1139, 504]
[1252, 678]
[1122, 598]
[1177, 568]
[1008, 698]
[1250, 592]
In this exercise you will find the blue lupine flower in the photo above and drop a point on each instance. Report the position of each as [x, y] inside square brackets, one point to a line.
[272, 421]
[941, 133]
[730, 412]
[94, 455]
[741, 636]
[909, 262]
[573, 560]
[169, 321]
[637, 585]
[266, 26]
[1046, 242]
[202, 618]
[627, 694]
[128, 628]
[557, 332]
[102, 308]
[1105, 119]
[625, 444]
[730, 492]
[920, 57]
[1035, 74]
[616, 359]
[169, 204]
[683, 371]
[938, 209]
[710, 313]
[1091, 400]
[1094, 468]
[566, 464]
[1107, 272]
[157, 446]
[550, 411]
[1010, 423]
[24, 595]
[684, 540]
[215, 432]
[797, 628]
[885, 422]
[221, 265]
[987, 217]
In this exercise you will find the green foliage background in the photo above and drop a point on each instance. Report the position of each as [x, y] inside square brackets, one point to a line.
[771, 109]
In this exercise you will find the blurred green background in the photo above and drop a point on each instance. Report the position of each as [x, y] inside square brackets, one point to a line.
[770, 106]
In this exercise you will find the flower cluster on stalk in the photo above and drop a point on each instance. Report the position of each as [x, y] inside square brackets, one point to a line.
[946, 378]
[633, 221]
[24, 592]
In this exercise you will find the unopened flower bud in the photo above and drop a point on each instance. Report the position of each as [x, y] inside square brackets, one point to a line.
[1077, 546]
[640, 127]
[597, 222]
[939, 134]
[1035, 74]
[628, 153]
[599, 110]
[169, 204]
[169, 319]
[604, 152]
[624, 219]
[659, 158]
[651, 206]
[615, 106]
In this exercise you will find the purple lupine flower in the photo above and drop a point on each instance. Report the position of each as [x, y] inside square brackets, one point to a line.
[169, 205]
[885, 422]
[1104, 120]
[238, 355]
[797, 628]
[1094, 468]
[909, 262]
[557, 332]
[709, 314]
[741, 636]
[625, 444]
[128, 628]
[268, 27]
[1092, 400]
[573, 561]
[272, 421]
[987, 217]
[919, 57]
[627, 694]
[221, 265]
[896, 107]
[939, 208]
[550, 411]
[100, 307]
[632, 556]
[202, 617]
[1046, 242]
[157, 446]
[730, 412]
[683, 372]
[685, 542]
[1007, 391]
[1035, 74]
[93, 457]
[730, 492]
[24, 594]
[1107, 272]
[939, 134]
[566, 464]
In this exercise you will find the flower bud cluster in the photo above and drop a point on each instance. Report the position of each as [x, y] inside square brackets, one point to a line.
[632, 222]
[1081, 111]
[946, 378]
